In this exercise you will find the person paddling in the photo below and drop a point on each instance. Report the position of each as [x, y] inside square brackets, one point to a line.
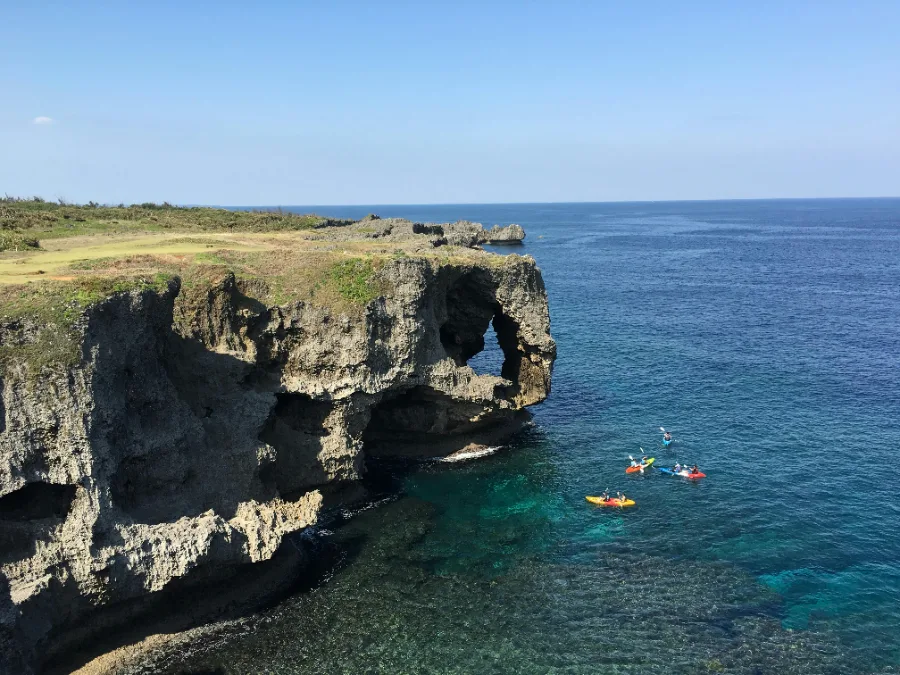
[667, 436]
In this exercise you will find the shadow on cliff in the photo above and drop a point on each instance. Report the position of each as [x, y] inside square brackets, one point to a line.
[180, 430]
[31, 515]
[303, 562]
[186, 424]
[2, 409]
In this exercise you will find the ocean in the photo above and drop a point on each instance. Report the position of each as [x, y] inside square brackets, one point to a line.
[766, 336]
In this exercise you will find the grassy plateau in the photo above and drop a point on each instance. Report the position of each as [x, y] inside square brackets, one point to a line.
[58, 259]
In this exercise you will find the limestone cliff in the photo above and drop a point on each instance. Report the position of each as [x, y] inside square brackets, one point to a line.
[199, 425]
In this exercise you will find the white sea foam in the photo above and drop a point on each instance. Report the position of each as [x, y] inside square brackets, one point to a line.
[462, 456]
[350, 512]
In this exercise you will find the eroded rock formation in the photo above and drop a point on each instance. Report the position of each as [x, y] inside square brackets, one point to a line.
[200, 425]
[511, 234]
[459, 233]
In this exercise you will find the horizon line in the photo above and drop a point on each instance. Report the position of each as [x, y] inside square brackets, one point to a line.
[427, 204]
[616, 201]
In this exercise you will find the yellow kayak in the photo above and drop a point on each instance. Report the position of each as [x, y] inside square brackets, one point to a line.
[599, 501]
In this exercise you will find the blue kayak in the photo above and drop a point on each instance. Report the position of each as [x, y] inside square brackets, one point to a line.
[666, 442]
[665, 470]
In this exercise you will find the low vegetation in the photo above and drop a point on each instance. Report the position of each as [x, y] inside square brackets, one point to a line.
[17, 241]
[354, 280]
[23, 222]
[58, 259]
[39, 322]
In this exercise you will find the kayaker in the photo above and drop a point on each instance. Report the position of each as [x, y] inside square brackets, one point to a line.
[667, 436]
[605, 495]
[677, 467]
[695, 469]
[620, 497]
[634, 462]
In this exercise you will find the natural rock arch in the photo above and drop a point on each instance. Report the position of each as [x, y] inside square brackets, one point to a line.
[472, 308]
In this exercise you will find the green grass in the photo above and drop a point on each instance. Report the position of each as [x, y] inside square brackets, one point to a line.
[328, 279]
[30, 220]
[211, 258]
[354, 280]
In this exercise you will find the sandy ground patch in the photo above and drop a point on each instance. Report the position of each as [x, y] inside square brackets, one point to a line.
[61, 253]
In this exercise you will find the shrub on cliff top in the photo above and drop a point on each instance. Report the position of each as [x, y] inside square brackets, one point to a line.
[354, 279]
[16, 241]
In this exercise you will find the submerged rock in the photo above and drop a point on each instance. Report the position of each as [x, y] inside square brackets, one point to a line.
[197, 426]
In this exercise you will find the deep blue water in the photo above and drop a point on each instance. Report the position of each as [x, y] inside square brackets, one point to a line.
[766, 336]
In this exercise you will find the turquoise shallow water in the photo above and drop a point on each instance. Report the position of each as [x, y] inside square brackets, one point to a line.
[766, 335]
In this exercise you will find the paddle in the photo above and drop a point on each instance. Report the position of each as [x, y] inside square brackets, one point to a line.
[662, 429]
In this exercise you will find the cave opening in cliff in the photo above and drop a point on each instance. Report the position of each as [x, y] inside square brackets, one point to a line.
[407, 413]
[421, 421]
[37, 501]
[489, 361]
[296, 428]
[477, 333]
[418, 415]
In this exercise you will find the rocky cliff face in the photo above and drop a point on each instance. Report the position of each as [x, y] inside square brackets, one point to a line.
[200, 426]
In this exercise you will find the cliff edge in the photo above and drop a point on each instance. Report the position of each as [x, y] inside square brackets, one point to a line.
[171, 414]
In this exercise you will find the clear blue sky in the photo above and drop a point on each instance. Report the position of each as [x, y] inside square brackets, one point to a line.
[267, 103]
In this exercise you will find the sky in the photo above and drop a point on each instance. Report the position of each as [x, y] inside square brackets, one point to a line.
[282, 103]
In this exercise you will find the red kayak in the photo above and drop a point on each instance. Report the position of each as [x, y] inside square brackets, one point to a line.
[684, 473]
